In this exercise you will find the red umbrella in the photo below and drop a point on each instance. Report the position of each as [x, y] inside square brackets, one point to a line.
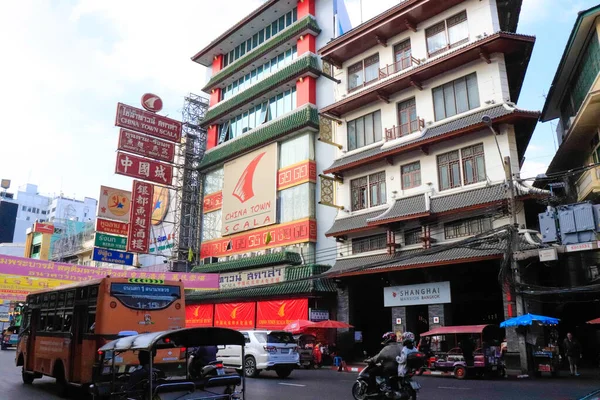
[594, 321]
[298, 325]
[329, 324]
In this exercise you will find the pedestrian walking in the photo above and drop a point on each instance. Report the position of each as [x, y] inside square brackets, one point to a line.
[572, 350]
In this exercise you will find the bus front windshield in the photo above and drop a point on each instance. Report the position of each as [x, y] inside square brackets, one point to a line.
[145, 296]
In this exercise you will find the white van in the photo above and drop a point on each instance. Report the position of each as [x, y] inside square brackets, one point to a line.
[265, 350]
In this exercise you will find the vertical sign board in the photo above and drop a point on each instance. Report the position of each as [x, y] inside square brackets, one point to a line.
[144, 168]
[114, 204]
[140, 218]
[149, 123]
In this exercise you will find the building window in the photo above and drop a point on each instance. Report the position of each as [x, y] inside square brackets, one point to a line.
[364, 131]
[295, 150]
[467, 227]
[407, 117]
[211, 225]
[363, 72]
[296, 203]
[213, 181]
[473, 162]
[370, 243]
[368, 191]
[53, 209]
[412, 236]
[456, 97]
[24, 208]
[449, 170]
[28, 209]
[402, 55]
[447, 34]
[411, 175]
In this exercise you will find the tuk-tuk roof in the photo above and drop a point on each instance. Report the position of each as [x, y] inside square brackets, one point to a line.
[452, 330]
[186, 337]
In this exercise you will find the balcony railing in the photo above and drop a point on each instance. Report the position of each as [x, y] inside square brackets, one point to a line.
[401, 130]
[398, 66]
[588, 183]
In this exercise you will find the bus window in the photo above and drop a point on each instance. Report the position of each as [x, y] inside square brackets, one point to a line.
[58, 321]
[43, 320]
[50, 320]
[70, 298]
[90, 326]
[145, 297]
[68, 321]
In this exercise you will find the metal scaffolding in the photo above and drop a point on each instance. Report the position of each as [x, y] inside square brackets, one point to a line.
[188, 215]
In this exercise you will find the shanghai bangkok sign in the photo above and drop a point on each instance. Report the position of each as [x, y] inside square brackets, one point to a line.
[110, 241]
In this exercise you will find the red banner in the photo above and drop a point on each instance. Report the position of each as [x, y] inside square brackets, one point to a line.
[305, 171]
[114, 227]
[138, 238]
[235, 315]
[212, 202]
[144, 169]
[281, 235]
[146, 146]
[199, 315]
[148, 122]
[277, 314]
[40, 227]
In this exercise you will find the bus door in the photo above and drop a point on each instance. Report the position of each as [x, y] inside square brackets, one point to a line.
[34, 325]
[78, 328]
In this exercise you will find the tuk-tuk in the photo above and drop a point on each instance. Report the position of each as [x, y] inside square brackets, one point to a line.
[115, 366]
[306, 343]
[462, 350]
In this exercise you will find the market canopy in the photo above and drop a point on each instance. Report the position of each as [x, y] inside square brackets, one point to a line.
[329, 324]
[455, 330]
[529, 319]
[594, 322]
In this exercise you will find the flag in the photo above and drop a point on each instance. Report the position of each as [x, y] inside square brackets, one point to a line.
[341, 18]
[190, 255]
[268, 238]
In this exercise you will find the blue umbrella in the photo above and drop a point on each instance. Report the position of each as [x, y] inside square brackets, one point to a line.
[528, 319]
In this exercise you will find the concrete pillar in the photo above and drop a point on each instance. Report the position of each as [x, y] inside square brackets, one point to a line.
[306, 91]
[399, 315]
[217, 64]
[440, 311]
[306, 7]
[306, 44]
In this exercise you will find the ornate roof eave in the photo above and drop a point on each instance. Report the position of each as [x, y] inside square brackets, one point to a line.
[267, 260]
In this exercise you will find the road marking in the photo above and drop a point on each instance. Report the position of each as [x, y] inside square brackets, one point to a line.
[291, 384]
[453, 387]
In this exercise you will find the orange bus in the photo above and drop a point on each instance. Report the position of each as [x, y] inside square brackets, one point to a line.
[63, 327]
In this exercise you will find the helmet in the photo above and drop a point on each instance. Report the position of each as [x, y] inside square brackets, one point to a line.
[408, 337]
[388, 337]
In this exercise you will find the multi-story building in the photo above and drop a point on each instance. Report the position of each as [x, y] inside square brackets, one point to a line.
[419, 170]
[264, 155]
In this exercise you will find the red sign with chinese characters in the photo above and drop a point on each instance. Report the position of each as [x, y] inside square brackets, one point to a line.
[114, 227]
[147, 122]
[138, 238]
[305, 171]
[277, 314]
[199, 315]
[212, 202]
[281, 235]
[235, 315]
[143, 168]
[39, 227]
[146, 146]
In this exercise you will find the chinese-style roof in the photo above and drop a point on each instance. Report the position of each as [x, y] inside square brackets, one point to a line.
[306, 116]
[352, 223]
[402, 208]
[290, 35]
[309, 287]
[306, 64]
[267, 260]
[469, 198]
[444, 130]
[507, 43]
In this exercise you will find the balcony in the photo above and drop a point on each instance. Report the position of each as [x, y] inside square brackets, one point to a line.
[398, 66]
[406, 129]
[588, 184]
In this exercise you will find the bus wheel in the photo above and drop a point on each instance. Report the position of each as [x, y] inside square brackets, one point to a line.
[27, 378]
[61, 382]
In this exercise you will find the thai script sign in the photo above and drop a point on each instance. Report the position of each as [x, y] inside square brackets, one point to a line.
[305, 171]
[144, 169]
[141, 213]
[114, 227]
[254, 277]
[146, 146]
[114, 204]
[148, 123]
[110, 241]
[112, 256]
[426, 293]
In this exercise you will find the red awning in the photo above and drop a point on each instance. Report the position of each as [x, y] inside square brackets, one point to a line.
[594, 322]
[452, 330]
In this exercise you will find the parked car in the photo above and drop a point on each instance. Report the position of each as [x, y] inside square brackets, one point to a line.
[10, 338]
[265, 350]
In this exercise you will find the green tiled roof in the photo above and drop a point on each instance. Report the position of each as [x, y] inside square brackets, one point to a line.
[300, 66]
[307, 287]
[306, 116]
[299, 27]
[268, 260]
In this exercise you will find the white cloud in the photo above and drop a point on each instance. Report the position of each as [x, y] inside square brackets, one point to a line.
[532, 169]
[533, 11]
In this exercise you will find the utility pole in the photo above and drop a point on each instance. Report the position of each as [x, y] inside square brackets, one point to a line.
[514, 264]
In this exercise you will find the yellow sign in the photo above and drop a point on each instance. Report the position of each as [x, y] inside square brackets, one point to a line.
[148, 281]
[114, 204]
[160, 204]
[30, 284]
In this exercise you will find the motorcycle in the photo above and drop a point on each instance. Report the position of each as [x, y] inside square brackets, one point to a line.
[212, 369]
[370, 384]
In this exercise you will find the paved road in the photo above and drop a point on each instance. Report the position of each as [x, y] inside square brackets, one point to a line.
[330, 385]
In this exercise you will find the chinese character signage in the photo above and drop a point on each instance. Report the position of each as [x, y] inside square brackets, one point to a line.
[199, 315]
[250, 191]
[297, 174]
[249, 278]
[140, 217]
[235, 315]
[148, 123]
[277, 314]
[146, 146]
[114, 227]
[144, 169]
[114, 204]
[212, 202]
[112, 256]
[110, 241]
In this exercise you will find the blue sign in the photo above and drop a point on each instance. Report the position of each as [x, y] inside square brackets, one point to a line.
[112, 256]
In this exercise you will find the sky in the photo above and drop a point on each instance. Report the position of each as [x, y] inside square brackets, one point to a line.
[67, 63]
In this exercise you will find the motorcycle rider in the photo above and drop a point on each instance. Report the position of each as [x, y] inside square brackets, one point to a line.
[408, 343]
[387, 359]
